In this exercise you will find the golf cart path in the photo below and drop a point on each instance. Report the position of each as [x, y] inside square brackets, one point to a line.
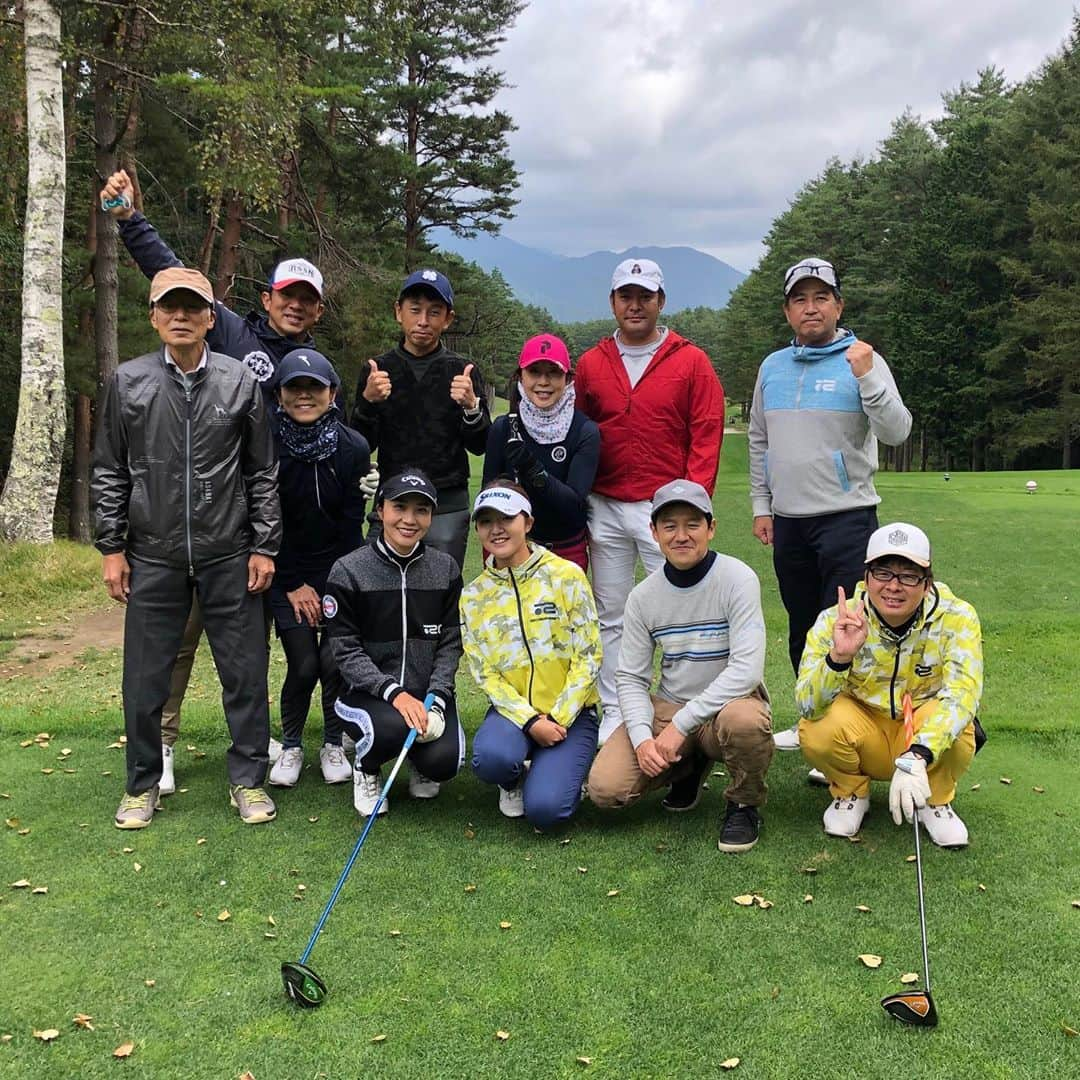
[61, 644]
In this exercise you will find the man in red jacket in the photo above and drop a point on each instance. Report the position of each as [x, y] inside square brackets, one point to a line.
[660, 409]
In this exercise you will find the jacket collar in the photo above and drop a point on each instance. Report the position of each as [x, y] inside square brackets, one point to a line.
[537, 555]
[925, 613]
[809, 353]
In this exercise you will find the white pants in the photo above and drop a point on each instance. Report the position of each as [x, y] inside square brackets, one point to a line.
[618, 534]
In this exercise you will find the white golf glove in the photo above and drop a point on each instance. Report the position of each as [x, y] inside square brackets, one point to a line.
[370, 483]
[910, 789]
[436, 725]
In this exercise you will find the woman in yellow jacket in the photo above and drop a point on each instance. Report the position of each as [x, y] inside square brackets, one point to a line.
[532, 641]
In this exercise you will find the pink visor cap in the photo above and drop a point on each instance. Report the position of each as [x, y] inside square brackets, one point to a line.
[545, 347]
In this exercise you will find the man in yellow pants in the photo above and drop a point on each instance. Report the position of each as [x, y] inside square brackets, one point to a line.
[902, 633]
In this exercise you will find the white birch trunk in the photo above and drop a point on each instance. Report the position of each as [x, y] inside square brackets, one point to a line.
[29, 498]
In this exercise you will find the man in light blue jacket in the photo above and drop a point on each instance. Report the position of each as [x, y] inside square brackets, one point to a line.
[820, 406]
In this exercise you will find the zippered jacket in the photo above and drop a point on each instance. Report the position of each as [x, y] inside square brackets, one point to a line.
[814, 430]
[184, 477]
[938, 659]
[250, 339]
[532, 638]
[393, 621]
[420, 426]
[322, 510]
[667, 427]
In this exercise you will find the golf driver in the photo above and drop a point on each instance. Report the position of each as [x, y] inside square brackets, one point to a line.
[302, 984]
[915, 1007]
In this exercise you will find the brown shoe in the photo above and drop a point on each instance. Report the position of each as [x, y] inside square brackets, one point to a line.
[252, 803]
[137, 811]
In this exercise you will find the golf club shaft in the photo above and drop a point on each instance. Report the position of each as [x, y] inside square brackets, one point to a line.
[922, 904]
[409, 740]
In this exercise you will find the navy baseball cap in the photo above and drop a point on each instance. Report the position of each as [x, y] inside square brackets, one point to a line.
[429, 279]
[306, 363]
[409, 482]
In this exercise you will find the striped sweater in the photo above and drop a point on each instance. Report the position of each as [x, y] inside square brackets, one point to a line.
[711, 638]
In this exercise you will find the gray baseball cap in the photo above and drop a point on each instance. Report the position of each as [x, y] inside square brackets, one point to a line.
[682, 491]
[814, 268]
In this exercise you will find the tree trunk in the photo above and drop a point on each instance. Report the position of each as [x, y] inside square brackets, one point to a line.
[412, 188]
[79, 522]
[29, 497]
[1066, 447]
[106, 281]
[230, 245]
[206, 249]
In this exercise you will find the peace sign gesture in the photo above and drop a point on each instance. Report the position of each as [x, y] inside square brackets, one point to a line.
[849, 630]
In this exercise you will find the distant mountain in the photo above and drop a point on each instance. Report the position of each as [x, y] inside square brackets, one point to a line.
[575, 288]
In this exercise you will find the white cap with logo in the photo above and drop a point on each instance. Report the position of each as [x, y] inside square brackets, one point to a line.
[643, 272]
[506, 501]
[901, 540]
[294, 271]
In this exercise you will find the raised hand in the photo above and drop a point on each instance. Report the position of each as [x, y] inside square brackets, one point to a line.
[462, 389]
[119, 185]
[849, 630]
[861, 358]
[378, 386]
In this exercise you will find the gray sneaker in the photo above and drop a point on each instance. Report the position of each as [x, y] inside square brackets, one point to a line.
[252, 803]
[137, 811]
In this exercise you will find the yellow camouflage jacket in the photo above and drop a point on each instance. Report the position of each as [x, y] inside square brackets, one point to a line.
[938, 659]
[532, 638]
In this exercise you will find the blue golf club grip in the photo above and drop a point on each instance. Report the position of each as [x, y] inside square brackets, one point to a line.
[409, 740]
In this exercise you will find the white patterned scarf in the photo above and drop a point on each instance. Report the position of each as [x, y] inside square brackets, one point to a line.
[549, 425]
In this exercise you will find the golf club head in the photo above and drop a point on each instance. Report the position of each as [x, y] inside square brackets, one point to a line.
[302, 985]
[914, 1007]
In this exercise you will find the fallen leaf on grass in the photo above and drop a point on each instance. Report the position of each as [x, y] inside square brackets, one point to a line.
[870, 960]
[22, 883]
[582, 869]
[313, 819]
[224, 915]
[123, 1050]
[1039, 790]
[583, 1060]
[909, 978]
[301, 887]
[613, 892]
[128, 850]
[1076, 903]
[470, 888]
[395, 933]
[505, 924]
[746, 900]
[470, 834]
[378, 1038]
[200, 841]
[12, 822]
[40, 890]
[5, 794]
[70, 772]
[25, 743]
[271, 936]
[1071, 1032]
[564, 841]
[270, 920]
[1005, 780]
[115, 746]
[151, 983]
[199, 754]
[247, 1075]
[660, 849]
[182, 791]
[192, 749]
[982, 888]
[48, 772]
[66, 751]
[764, 904]
[23, 832]
[909, 858]
[809, 870]
[502, 1036]
[774, 993]
[6, 1038]
[808, 899]
[975, 787]
[82, 1020]
[855, 839]
[863, 908]
[731, 1063]
[47, 1035]
[137, 866]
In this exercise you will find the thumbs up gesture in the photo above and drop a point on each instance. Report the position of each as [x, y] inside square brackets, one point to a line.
[377, 387]
[462, 389]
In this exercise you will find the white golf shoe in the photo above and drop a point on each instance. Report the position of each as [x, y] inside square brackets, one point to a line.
[943, 826]
[366, 788]
[286, 770]
[787, 739]
[844, 817]
[420, 787]
[334, 764]
[348, 743]
[167, 783]
[512, 803]
[273, 751]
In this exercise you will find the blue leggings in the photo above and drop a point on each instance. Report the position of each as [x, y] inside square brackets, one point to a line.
[552, 785]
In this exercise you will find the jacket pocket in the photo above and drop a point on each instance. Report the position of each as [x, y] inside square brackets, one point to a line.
[841, 470]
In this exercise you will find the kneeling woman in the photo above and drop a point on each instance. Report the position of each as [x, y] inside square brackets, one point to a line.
[533, 644]
[392, 611]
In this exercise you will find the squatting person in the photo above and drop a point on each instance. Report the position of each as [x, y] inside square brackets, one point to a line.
[533, 646]
[903, 633]
[703, 611]
[185, 503]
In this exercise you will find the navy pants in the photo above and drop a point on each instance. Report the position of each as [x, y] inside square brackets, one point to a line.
[813, 556]
[552, 784]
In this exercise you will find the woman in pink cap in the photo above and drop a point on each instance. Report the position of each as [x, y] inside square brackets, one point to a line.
[549, 447]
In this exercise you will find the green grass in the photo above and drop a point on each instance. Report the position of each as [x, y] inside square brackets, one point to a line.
[666, 979]
[38, 584]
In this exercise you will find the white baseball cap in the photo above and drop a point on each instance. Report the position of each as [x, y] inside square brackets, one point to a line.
[291, 271]
[643, 272]
[506, 501]
[812, 268]
[902, 540]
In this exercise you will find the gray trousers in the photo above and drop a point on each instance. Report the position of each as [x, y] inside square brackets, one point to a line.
[157, 612]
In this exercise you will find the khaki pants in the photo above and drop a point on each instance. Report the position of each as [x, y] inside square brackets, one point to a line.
[853, 744]
[185, 660]
[740, 735]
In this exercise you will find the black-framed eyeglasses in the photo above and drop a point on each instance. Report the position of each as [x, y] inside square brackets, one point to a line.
[818, 270]
[908, 578]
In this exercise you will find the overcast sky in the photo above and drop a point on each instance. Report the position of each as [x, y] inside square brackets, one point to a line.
[695, 122]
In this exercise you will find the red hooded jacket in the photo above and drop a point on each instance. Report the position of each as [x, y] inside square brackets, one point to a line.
[668, 427]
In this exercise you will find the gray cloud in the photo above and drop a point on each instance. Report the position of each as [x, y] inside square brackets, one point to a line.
[689, 122]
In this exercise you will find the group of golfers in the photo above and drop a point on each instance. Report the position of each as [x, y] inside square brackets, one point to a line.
[231, 494]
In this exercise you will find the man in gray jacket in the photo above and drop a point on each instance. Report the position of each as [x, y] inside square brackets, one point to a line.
[820, 406]
[185, 500]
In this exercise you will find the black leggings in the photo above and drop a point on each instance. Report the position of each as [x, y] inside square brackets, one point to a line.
[439, 760]
[310, 660]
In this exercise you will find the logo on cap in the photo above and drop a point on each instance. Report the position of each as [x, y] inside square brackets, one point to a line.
[305, 359]
[898, 536]
[414, 481]
[430, 275]
[545, 347]
[636, 268]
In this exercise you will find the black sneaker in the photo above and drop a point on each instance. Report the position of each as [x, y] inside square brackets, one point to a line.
[685, 793]
[740, 829]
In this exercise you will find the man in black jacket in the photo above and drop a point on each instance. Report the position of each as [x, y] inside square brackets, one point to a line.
[422, 406]
[185, 501]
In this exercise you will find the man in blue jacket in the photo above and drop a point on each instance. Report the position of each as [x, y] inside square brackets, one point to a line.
[820, 406]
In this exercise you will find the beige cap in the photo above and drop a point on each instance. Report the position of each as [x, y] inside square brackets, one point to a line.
[180, 277]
